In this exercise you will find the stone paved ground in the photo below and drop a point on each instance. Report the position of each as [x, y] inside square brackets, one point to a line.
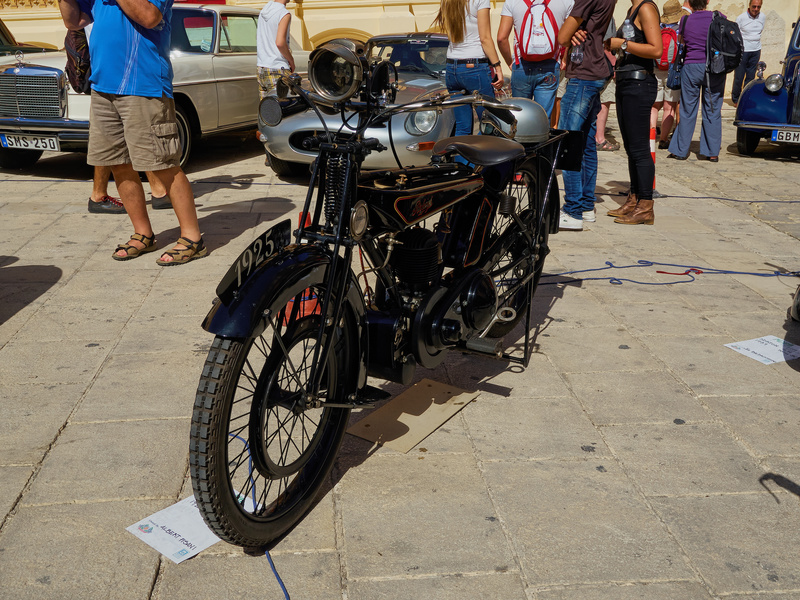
[636, 457]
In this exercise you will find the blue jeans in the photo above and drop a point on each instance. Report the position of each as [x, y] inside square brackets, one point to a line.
[694, 85]
[536, 80]
[463, 77]
[579, 107]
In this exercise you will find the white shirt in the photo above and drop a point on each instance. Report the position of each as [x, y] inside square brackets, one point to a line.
[471, 46]
[516, 9]
[751, 29]
[268, 55]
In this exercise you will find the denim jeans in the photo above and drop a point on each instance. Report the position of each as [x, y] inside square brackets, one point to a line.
[463, 77]
[579, 107]
[745, 72]
[536, 80]
[694, 86]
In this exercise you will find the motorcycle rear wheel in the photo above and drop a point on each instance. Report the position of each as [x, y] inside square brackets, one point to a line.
[258, 456]
[511, 268]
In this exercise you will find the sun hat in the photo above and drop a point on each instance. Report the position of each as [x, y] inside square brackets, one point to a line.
[672, 12]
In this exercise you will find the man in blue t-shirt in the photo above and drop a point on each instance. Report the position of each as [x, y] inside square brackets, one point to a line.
[132, 123]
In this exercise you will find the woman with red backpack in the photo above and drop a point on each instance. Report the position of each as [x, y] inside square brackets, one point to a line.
[667, 98]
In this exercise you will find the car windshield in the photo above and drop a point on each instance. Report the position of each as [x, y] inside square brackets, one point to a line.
[8, 45]
[414, 56]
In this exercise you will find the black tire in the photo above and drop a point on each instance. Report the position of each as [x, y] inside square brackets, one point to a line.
[284, 168]
[513, 266]
[18, 159]
[747, 141]
[257, 457]
[185, 134]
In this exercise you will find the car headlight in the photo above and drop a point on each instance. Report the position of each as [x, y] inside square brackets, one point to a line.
[422, 122]
[774, 83]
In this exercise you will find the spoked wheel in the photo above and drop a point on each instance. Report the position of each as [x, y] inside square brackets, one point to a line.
[513, 265]
[259, 451]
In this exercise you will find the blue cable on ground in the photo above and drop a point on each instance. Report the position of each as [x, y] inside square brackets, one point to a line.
[690, 271]
[278, 577]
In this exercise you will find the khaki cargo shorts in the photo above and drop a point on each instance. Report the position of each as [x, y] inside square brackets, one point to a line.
[133, 130]
[664, 94]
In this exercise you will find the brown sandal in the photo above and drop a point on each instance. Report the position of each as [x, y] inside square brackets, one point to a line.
[132, 251]
[181, 257]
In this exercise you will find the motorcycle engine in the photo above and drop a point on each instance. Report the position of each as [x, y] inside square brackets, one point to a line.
[416, 259]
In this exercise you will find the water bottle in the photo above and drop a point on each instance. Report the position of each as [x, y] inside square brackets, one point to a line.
[576, 57]
[627, 30]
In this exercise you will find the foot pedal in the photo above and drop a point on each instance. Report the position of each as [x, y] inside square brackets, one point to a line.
[486, 346]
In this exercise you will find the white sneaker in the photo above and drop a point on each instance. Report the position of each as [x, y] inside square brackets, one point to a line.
[569, 223]
[589, 216]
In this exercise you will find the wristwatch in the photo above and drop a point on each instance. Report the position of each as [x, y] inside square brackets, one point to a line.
[495, 65]
[624, 46]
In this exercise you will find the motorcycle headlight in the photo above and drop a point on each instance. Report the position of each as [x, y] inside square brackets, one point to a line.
[335, 72]
[774, 83]
[422, 122]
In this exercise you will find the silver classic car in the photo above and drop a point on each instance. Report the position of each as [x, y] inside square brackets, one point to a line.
[214, 63]
[420, 59]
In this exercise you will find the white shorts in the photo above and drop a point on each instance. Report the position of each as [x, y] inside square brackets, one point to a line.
[664, 94]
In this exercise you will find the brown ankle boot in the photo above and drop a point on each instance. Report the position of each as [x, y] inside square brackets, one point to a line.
[641, 215]
[625, 209]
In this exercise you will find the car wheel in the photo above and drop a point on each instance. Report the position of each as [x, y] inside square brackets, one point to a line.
[746, 141]
[284, 168]
[18, 159]
[185, 134]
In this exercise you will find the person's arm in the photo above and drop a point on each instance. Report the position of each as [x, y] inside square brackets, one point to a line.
[649, 23]
[485, 33]
[142, 12]
[503, 33]
[280, 40]
[72, 15]
[569, 34]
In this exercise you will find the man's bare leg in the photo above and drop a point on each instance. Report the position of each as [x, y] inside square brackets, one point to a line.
[177, 186]
[131, 193]
[158, 193]
[100, 201]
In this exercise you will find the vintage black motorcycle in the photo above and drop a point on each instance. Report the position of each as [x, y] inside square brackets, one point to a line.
[388, 270]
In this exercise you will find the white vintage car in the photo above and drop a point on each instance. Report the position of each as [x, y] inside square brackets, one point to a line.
[214, 63]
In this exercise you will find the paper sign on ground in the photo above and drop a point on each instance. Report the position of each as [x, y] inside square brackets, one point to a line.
[178, 531]
[413, 415]
[767, 350]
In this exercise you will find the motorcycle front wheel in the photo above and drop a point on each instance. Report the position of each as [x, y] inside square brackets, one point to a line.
[259, 454]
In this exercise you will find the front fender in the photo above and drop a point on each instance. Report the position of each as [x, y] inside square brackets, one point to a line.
[241, 316]
[757, 105]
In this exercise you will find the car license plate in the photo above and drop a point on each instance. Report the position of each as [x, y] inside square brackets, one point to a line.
[793, 137]
[29, 142]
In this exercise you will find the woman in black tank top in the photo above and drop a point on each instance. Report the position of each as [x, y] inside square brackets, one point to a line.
[636, 93]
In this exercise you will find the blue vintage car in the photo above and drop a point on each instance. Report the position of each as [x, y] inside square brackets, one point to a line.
[770, 108]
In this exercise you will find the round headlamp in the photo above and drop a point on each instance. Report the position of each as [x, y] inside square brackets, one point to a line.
[422, 122]
[774, 83]
[335, 72]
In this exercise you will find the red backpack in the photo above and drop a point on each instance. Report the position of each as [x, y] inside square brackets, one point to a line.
[538, 38]
[669, 39]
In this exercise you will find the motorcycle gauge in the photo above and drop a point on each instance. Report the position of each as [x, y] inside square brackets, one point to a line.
[359, 220]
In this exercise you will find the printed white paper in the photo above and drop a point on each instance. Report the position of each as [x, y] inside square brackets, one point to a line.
[178, 531]
[767, 350]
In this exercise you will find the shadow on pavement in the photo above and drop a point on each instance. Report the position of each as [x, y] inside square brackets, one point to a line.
[22, 285]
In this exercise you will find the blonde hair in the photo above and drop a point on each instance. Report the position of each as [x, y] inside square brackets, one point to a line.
[452, 19]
